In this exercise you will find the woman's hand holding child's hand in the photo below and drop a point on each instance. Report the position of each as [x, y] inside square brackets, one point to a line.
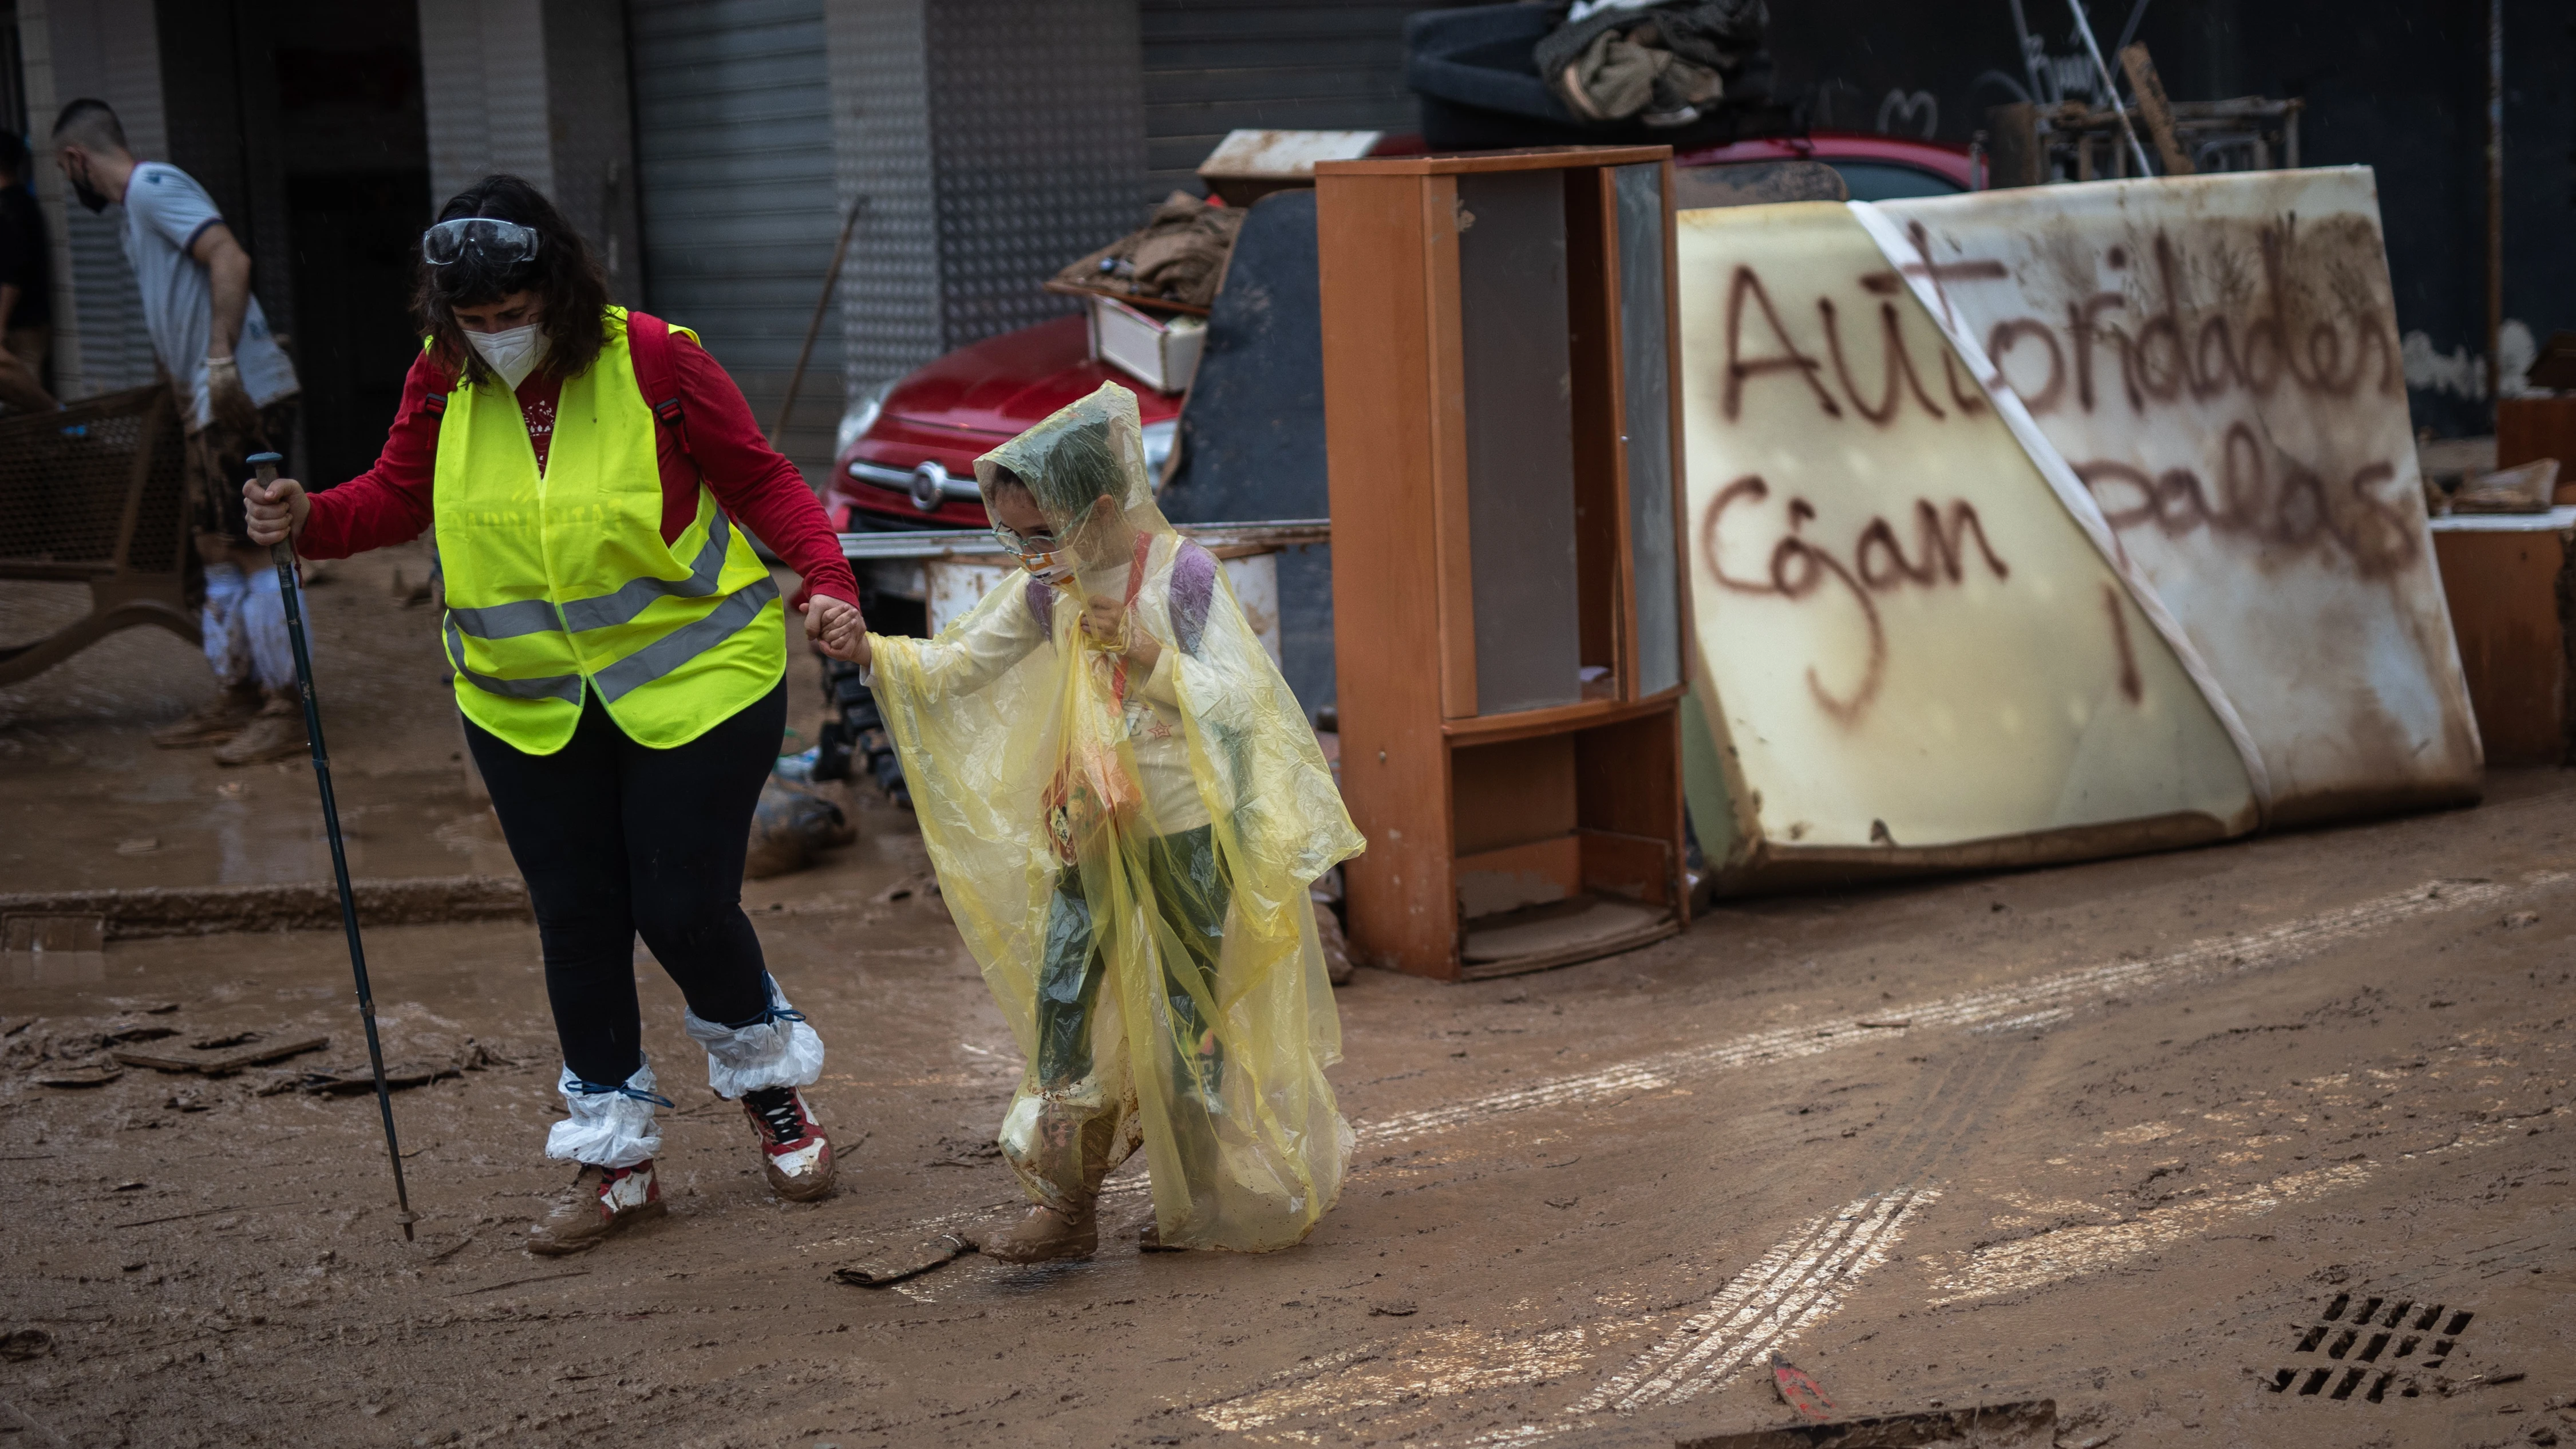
[837, 628]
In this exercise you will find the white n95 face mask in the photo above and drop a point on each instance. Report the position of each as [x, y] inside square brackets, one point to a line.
[512, 354]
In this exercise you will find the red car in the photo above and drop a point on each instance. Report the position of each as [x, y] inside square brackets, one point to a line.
[907, 456]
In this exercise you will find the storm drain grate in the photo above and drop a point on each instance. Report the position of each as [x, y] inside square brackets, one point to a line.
[2372, 1341]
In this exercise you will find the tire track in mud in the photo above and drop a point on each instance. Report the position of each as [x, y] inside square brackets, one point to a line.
[2037, 1001]
[1803, 1280]
[1788, 1290]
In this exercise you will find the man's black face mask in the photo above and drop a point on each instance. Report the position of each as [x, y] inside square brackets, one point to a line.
[82, 191]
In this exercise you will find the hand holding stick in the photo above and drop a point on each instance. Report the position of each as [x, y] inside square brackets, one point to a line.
[276, 507]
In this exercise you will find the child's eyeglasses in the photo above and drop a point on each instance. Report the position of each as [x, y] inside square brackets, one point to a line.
[1026, 545]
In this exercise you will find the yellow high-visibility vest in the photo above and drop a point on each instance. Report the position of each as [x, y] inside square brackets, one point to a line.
[559, 581]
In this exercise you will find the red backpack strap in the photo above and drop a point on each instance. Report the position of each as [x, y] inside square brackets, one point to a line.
[648, 338]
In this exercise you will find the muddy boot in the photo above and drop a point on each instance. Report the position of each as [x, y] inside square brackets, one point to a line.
[1149, 1239]
[213, 722]
[1046, 1235]
[793, 1150]
[604, 1201]
[276, 733]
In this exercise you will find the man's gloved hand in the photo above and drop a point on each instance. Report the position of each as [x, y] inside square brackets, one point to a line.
[228, 402]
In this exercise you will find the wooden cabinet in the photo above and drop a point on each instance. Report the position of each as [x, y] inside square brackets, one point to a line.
[1499, 357]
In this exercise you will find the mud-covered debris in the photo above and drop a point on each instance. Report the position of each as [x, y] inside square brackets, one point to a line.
[421, 1066]
[1338, 965]
[1800, 1391]
[263, 1048]
[150, 1031]
[2520, 919]
[881, 1267]
[21, 1344]
[77, 1077]
[792, 824]
[12, 1025]
[1394, 1308]
[2030, 1424]
[343, 1081]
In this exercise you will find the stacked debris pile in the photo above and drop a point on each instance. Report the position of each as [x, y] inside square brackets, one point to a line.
[1176, 258]
[1685, 72]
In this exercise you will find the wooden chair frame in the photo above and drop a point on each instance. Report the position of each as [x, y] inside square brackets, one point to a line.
[142, 576]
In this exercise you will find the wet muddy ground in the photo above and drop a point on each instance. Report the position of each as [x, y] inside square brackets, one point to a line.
[2147, 1138]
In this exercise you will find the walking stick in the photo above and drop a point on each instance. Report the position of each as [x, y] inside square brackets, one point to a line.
[288, 593]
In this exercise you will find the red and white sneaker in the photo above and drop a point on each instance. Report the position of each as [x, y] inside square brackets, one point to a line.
[793, 1149]
[603, 1201]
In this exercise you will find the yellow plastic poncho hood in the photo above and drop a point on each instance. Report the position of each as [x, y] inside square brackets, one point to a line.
[1125, 833]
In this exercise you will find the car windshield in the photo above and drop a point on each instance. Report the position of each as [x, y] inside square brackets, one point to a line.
[1889, 180]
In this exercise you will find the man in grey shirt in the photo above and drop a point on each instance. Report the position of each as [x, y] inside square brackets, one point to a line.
[235, 390]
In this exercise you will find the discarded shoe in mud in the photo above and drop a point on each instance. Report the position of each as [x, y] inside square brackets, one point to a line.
[794, 1152]
[603, 1202]
[1046, 1235]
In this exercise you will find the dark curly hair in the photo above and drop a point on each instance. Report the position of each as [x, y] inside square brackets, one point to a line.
[567, 279]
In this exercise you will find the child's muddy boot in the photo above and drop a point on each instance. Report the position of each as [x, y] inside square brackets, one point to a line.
[1047, 1235]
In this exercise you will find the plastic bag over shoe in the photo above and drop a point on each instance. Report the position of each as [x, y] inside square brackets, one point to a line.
[1127, 849]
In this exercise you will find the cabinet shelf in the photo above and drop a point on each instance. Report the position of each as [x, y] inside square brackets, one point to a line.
[1503, 439]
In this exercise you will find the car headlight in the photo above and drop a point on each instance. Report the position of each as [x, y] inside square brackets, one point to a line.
[862, 415]
[1159, 438]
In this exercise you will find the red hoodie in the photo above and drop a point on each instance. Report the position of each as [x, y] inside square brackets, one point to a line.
[393, 502]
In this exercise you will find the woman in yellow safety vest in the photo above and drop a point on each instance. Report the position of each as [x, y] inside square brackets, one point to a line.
[618, 653]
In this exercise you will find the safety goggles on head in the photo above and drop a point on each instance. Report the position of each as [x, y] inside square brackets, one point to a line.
[484, 239]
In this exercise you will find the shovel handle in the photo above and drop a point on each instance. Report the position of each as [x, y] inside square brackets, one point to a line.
[281, 552]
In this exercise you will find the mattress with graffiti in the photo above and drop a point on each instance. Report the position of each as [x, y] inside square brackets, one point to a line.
[2052, 523]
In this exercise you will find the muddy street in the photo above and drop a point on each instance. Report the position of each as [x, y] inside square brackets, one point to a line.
[2263, 1144]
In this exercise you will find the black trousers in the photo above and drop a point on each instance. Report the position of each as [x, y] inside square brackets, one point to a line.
[616, 839]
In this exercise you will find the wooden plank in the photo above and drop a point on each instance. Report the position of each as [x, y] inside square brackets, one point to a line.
[2154, 109]
[1378, 380]
[220, 1063]
[2531, 428]
[1585, 715]
[1513, 793]
[1628, 773]
[1539, 873]
[2505, 591]
[1569, 935]
[1524, 158]
[1639, 867]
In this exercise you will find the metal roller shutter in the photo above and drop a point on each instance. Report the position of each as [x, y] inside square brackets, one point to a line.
[733, 151]
[1215, 67]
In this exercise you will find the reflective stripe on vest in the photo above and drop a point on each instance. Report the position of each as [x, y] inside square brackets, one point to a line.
[560, 583]
[535, 616]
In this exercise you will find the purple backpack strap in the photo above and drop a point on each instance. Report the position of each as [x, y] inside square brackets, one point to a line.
[1193, 588]
[1041, 599]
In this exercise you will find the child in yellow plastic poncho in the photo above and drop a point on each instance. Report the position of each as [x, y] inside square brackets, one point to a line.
[1126, 807]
